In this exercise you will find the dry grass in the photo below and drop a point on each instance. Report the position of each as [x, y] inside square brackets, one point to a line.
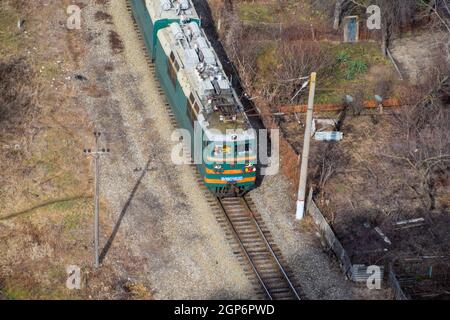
[46, 184]
[103, 16]
[115, 42]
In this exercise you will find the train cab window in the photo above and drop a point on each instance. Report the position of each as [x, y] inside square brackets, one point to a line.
[244, 148]
[221, 150]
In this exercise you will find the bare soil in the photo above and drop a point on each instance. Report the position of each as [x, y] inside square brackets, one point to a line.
[415, 53]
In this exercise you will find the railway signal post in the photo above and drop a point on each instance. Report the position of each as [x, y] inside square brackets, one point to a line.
[305, 154]
[95, 154]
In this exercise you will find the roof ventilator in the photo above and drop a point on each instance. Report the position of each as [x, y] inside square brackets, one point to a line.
[182, 5]
[166, 5]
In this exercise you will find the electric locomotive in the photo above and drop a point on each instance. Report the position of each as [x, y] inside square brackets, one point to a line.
[200, 94]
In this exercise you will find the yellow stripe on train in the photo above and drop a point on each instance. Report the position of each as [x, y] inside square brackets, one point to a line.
[209, 171]
[218, 181]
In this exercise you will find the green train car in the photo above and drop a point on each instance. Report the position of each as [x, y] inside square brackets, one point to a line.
[200, 94]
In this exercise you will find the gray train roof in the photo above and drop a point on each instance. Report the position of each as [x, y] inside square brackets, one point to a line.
[170, 9]
[201, 74]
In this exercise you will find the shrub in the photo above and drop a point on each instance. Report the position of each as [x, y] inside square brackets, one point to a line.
[343, 56]
[355, 67]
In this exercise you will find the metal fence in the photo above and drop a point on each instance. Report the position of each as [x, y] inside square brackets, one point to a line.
[330, 237]
[360, 272]
[395, 285]
[357, 272]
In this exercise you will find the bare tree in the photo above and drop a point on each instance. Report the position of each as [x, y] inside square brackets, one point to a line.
[332, 159]
[337, 13]
[295, 60]
[289, 61]
[423, 141]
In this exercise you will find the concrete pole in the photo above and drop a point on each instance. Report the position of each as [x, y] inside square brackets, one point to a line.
[96, 154]
[305, 155]
[97, 204]
[96, 214]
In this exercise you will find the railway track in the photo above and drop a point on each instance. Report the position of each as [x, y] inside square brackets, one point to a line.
[247, 234]
[257, 246]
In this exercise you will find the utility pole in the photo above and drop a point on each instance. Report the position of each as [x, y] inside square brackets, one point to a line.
[96, 155]
[305, 155]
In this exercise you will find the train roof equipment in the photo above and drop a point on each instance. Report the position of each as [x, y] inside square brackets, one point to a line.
[200, 74]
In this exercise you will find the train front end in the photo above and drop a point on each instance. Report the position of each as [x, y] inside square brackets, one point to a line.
[229, 167]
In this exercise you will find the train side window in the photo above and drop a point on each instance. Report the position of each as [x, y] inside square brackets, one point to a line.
[173, 67]
[196, 107]
[190, 110]
[194, 103]
[174, 61]
[191, 115]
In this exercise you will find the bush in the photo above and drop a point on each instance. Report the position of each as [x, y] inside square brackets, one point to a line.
[343, 57]
[355, 67]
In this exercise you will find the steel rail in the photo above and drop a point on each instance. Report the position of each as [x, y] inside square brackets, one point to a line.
[241, 244]
[286, 277]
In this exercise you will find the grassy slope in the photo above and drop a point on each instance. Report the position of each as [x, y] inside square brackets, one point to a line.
[44, 204]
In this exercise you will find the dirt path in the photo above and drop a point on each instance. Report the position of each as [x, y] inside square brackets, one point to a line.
[160, 211]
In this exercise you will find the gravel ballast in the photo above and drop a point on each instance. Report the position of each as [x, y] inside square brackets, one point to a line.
[159, 210]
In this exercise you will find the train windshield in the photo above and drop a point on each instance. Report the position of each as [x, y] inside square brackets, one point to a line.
[240, 151]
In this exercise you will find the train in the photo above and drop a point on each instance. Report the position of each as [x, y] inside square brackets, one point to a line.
[200, 94]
